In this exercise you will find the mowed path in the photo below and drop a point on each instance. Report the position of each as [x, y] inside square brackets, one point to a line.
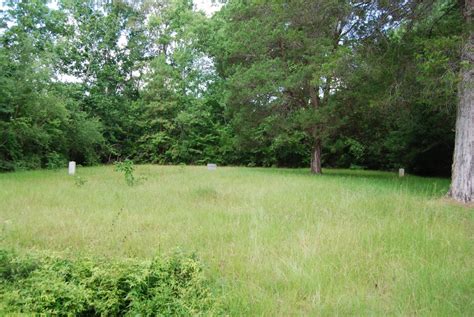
[275, 241]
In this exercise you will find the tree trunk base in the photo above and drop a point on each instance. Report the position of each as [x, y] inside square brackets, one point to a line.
[316, 159]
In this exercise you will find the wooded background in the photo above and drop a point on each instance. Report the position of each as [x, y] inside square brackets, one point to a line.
[360, 84]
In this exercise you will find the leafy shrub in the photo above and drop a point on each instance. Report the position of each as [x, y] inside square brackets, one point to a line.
[30, 162]
[128, 169]
[79, 181]
[49, 284]
[55, 161]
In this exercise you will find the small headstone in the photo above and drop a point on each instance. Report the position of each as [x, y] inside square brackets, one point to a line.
[72, 168]
[401, 172]
[211, 167]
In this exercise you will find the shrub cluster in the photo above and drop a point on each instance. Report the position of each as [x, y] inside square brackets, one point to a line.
[44, 283]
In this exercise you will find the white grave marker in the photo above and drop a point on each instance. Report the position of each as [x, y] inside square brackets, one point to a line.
[211, 167]
[72, 168]
[401, 172]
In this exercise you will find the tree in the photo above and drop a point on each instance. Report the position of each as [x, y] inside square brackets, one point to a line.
[278, 58]
[462, 184]
[105, 49]
[285, 61]
[40, 126]
[396, 107]
[178, 114]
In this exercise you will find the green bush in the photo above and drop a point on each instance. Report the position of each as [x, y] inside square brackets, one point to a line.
[128, 169]
[79, 181]
[41, 283]
[55, 161]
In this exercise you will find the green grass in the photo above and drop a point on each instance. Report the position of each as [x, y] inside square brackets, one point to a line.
[275, 241]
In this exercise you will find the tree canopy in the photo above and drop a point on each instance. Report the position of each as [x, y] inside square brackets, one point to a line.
[360, 84]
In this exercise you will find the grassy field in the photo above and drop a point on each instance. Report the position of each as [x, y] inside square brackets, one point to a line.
[274, 241]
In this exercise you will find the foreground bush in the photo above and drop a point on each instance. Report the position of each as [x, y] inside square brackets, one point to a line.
[51, 284]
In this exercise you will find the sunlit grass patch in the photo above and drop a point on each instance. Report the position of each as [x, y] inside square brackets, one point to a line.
[274, 241]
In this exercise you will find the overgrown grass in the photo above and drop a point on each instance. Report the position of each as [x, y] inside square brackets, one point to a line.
[274, 241]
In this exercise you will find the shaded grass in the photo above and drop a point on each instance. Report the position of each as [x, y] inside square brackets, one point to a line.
[276, 241]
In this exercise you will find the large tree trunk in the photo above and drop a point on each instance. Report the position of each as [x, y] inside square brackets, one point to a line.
[462, 182]
[316, 158]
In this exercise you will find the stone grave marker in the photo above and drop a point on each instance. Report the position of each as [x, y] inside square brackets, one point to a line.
[72, 168]
[401, 172]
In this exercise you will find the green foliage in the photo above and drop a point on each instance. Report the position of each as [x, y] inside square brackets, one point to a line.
[128, 169]
[38, 124]
[79, 181]
[401, 95]
[157, 82]
[55, 161]
[50, 284]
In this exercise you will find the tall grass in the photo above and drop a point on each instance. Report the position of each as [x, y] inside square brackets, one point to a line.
[275, 241]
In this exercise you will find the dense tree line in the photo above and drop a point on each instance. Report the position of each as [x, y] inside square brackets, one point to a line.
[362, 84]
